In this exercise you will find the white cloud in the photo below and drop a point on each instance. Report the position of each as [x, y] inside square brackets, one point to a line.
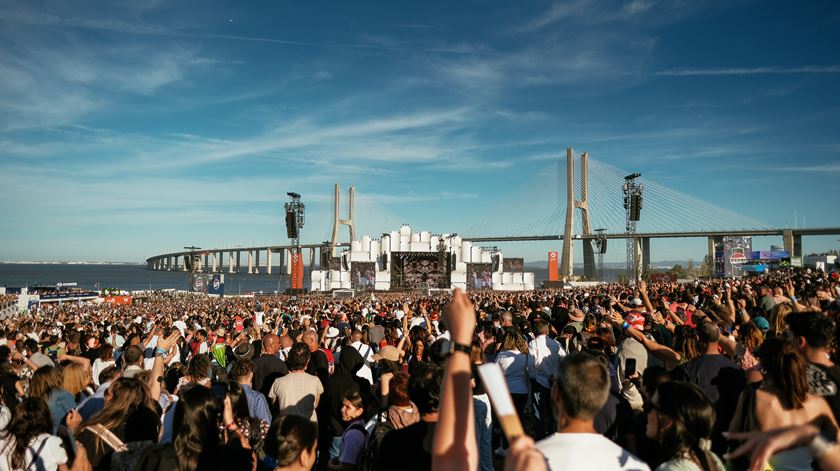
[768, 70]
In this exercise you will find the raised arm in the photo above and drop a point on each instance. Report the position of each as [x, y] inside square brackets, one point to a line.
[163, 348]
[730, 306]
[455, 447]
[644, 294]
[656, 349]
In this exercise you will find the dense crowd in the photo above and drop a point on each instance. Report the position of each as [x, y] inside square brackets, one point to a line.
[673, 376]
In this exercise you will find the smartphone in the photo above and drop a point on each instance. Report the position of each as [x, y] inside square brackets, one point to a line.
[219, 389]
[629, 367]
[494, 383]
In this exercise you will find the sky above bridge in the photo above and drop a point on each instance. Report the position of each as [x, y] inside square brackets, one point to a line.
[134, 128]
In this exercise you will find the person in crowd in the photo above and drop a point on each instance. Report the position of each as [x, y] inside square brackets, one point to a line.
[718, 376]
[681, 419]
[401, 411]
[76, 380]
[411, 448]
[355, 435]
[292, 442]
[581, 387]
[267, 366]
[242, 371]
[198, 444]
[129, 414]
[102, 361]
[544, 353]
[813, 334]
[28, 441]
[781, 399]
[47, 385]
[513, 360]
[298, 392]
[254, 429]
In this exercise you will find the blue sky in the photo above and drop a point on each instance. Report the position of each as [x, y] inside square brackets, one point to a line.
[133, 128]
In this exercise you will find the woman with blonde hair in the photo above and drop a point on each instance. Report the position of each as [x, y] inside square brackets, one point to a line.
[76, 380]
[47, 384]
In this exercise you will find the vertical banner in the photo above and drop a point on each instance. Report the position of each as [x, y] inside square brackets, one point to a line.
[553, 273]
[297, 271]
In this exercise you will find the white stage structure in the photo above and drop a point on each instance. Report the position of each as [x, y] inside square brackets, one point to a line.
[379, 251]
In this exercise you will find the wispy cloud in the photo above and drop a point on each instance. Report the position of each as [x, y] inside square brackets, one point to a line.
[833, 167]
[769, 70]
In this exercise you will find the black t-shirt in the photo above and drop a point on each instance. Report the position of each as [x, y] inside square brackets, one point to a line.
[407, 449]
[267, 368]
[319, 366]
[722, 380]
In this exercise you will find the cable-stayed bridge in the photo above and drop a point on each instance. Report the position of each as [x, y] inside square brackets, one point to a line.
[586, 205]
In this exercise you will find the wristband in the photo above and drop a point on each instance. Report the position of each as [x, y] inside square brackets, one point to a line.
[160, 351]
[625, 325]
[231, 426]
[793, 299]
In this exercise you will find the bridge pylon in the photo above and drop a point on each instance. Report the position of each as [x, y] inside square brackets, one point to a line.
[338, 221]
[573, 203]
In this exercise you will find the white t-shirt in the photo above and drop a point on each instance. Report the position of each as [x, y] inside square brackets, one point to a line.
[44, 453]
[587, 451]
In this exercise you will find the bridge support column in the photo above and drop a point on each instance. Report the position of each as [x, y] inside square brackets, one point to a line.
[230, 262]
[214, 261]
[588, 260]
[311, 259]
[645, 254]
[257, 261]
[238, 261]
[268, 261]
[184, 264]
[221, 262]
[250, 262]
[637, 258]
[792, 242]
[566, 257]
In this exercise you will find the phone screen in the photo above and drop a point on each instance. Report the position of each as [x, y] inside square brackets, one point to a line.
[629, 367]
[219, 389]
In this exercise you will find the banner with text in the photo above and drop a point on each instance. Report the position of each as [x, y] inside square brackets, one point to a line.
[553, 268]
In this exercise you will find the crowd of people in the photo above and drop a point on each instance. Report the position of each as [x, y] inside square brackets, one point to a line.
[709, 375]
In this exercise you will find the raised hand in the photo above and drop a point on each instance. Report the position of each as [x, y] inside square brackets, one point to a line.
[460, 318]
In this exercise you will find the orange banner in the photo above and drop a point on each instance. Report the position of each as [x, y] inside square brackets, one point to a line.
[297, 271]
[553, 273]
[118, 299]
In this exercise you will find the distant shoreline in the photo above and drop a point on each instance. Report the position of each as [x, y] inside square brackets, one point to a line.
[42, 262]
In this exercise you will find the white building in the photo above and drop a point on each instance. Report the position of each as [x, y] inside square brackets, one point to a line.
[471, 266]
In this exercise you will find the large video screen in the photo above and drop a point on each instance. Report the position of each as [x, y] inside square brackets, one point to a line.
[420, 270]
[513, 265]
[362, 275]
[479, 276]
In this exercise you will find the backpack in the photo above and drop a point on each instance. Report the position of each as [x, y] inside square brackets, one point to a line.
[374, 442]
[126, 455]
